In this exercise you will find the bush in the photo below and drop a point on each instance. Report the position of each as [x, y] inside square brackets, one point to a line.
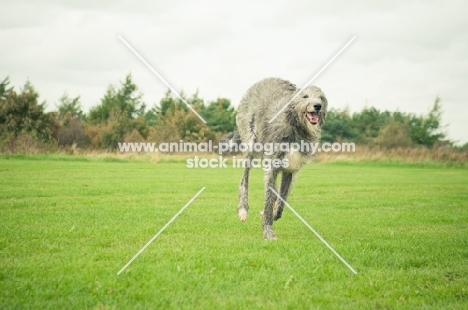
[393, 134]
[72, 133]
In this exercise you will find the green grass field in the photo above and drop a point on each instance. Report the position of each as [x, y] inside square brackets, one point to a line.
[69, 224]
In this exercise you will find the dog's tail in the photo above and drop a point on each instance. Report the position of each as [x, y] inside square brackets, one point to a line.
[230, 143]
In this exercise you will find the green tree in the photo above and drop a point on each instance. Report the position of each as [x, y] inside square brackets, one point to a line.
[70, 117]
[175, 121]
[169, 104]
[151, 117]
[426, 130]
[124, 101]
[4, 89]
[69, 108]
[166, 104]
[368, 123]
[120, 112]
[21, 112]
[219, 115]
[339, 127]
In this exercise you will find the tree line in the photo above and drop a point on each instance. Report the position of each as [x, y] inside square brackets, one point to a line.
[121, 115]
[386, 129]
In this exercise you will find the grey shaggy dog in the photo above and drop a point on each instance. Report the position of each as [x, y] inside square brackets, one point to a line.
[300, 121]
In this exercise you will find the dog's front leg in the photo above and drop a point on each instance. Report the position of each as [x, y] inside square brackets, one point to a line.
[243, 206]
[270, 198]
[286, 182]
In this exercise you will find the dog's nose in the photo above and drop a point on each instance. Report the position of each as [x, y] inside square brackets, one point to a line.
[317, 106]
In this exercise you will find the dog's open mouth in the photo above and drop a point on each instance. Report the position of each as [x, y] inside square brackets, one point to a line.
[312, 117]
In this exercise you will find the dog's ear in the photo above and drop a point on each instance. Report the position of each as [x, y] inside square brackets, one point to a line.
[324, 109]
[292, 87]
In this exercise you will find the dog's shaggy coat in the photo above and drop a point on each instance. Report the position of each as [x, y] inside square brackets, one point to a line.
[300, 121]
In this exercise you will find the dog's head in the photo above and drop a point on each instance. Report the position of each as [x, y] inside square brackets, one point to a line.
[310, 108]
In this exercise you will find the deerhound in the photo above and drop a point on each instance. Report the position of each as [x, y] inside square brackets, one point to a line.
[299, 123]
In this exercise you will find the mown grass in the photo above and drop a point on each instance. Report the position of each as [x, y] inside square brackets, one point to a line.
[68, 226]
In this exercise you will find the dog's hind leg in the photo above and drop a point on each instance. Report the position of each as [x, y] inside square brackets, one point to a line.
[286, 181]
[270, 197]
[243, 207]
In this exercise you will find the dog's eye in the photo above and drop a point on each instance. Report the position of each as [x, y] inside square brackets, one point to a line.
[305, 96]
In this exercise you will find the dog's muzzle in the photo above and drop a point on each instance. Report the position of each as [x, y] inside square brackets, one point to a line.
[312, 117]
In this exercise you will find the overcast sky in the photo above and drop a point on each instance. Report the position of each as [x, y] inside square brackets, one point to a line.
[405, 53]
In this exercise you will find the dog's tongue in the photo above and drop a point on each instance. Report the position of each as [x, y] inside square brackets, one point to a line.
[312, 116]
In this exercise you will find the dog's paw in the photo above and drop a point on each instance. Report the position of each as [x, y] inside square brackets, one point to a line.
[276, 216]
[242, 215]
[269, 233]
